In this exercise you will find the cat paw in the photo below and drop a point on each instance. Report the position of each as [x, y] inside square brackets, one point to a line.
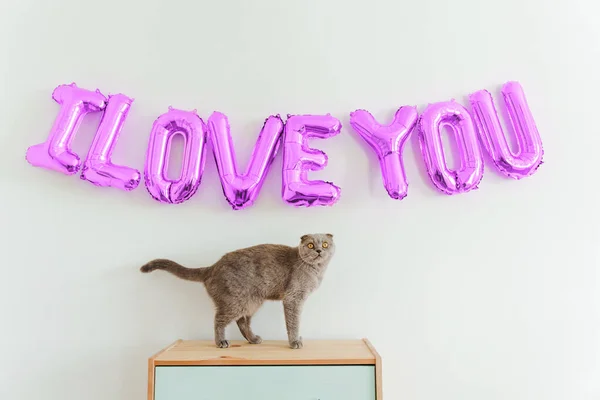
[296, 344]
[255, 340]
[223, 344]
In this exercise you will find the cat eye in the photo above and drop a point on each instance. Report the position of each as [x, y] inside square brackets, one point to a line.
[310, 245]
[325, 245]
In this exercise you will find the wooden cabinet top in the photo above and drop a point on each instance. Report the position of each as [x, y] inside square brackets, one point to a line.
[315, 352]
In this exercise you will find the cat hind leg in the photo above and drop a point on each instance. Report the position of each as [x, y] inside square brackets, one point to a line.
[245, 328]
[221, 321]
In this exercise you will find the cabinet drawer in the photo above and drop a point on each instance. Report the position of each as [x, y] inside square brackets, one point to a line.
[297, 382]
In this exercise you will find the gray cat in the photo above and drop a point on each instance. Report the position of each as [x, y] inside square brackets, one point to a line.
[241, 281]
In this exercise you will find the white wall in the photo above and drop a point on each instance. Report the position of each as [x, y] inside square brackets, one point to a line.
[487, 295]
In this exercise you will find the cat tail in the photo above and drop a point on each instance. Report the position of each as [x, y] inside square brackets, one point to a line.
[189, 274]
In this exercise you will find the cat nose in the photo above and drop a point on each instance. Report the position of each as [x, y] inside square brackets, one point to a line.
[319, 251]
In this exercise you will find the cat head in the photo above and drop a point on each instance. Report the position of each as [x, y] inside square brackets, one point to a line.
[316, 248]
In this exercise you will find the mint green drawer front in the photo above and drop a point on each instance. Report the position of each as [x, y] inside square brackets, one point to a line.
[353, 382]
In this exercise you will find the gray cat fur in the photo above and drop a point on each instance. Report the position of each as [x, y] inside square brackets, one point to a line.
[241, 281]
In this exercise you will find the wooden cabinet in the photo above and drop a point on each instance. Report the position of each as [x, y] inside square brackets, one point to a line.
[322, 370]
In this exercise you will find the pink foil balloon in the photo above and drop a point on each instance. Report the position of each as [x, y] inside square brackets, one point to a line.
[241, 190]
[98, 168]
[455, 116]
[529, 156]
[55, 153]
[299, 158]
[193, 129]
[388, 143]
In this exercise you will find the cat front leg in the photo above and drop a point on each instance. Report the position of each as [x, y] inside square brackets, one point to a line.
[292, 308]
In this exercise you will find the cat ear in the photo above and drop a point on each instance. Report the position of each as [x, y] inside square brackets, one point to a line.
[329, 234]
[304, 237]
